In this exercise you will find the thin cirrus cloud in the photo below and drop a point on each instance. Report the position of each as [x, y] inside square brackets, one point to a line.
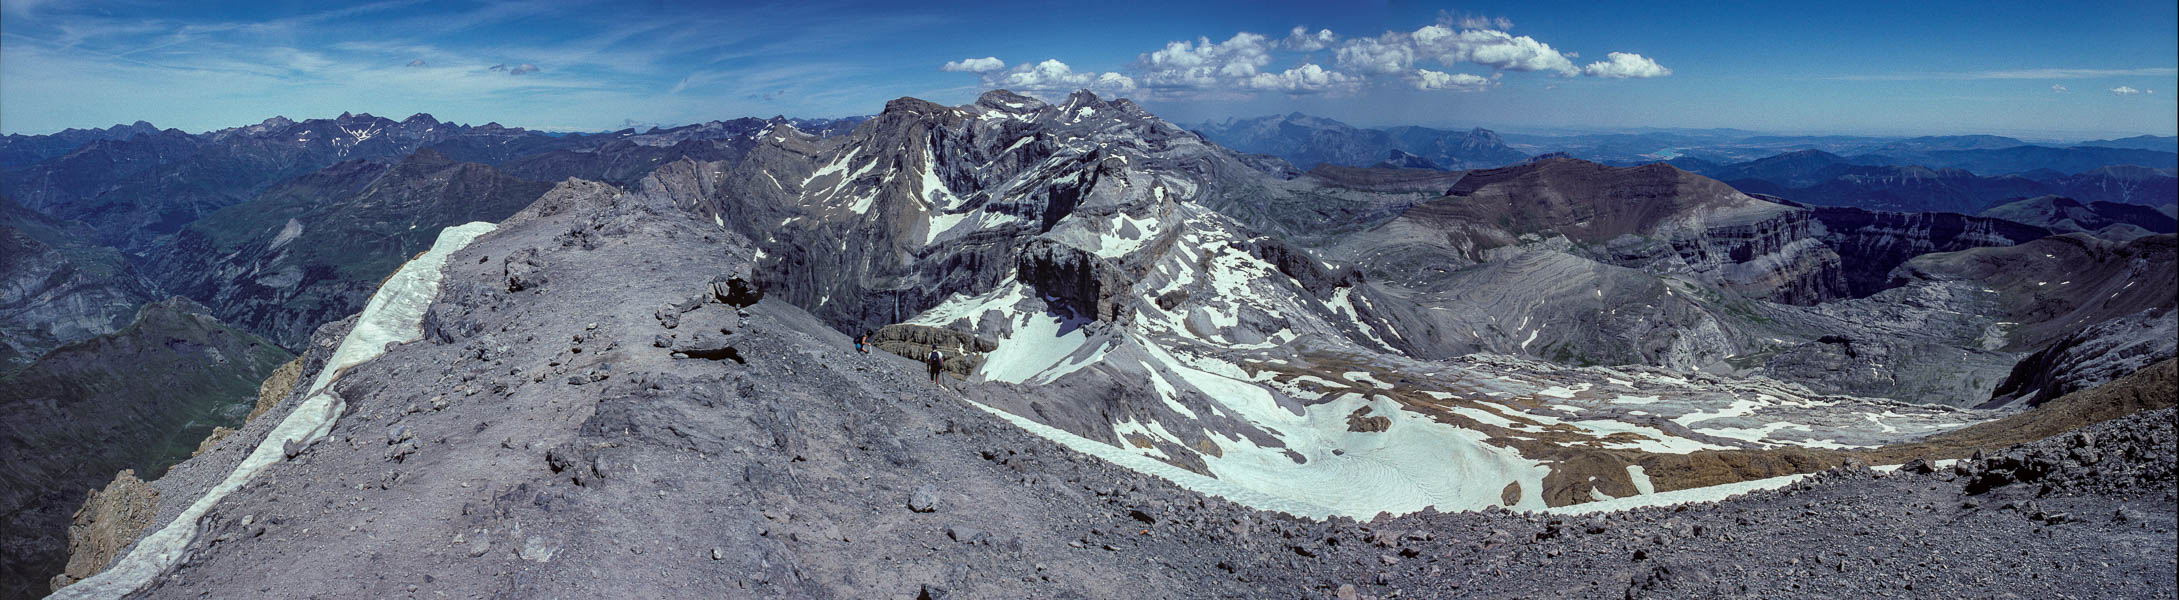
[2017, 74]
[2127, 90]
[1322, 62]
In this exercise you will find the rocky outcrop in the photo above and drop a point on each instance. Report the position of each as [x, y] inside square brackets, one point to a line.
[1074, 279]
[110, 520]
[964, 352]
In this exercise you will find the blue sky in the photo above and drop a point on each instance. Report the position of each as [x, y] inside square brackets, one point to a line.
[1834, 67]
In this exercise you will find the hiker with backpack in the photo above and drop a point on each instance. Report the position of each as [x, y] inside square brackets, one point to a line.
[937, 362]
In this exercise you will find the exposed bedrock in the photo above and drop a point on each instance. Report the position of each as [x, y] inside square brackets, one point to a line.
[2090, 357]
[1074, 279]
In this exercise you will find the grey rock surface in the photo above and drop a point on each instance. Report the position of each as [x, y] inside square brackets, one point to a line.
[792, 474]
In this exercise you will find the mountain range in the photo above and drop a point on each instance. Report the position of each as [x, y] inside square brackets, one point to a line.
[1308, 141]
[559, 341]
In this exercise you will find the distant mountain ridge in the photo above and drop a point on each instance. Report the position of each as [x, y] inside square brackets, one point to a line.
[1307, 141]
[2105, 219]
[1823, 178]
[18, 149]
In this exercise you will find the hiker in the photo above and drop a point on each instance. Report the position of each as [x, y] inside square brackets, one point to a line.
[862, 344]
[937, 363]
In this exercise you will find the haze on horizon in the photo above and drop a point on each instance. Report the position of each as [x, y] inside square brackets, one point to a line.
[1846, 68]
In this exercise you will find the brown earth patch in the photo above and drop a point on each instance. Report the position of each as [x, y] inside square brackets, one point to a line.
[2153, 387]
[276, 387]
[1580, 463]
[110, 520]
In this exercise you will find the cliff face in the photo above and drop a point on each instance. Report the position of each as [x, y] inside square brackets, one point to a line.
[925, 201]
[1872, 243]
[139, 398]
[1776, 257]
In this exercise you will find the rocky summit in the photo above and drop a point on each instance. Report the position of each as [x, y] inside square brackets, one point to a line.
[612, 418]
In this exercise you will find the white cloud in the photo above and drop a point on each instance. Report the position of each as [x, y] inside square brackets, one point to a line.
[1626, 65]
[1054, 76]
[1395, 53]
[1202, 64]
[2125, 90]
[1250, 62]
[1300, 39]
[2058, 88]
[1305, 78]
[975, 65]
[1426, 79]
[1387, 54]
[1491, 48]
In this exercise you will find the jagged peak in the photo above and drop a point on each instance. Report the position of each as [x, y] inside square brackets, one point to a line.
[421, 118]
[1081, 98]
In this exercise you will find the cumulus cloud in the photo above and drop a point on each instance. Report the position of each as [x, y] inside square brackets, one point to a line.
[1300, 39]
[1495, 49]
[2125, 90]
[2058, 88]
[1387, 55]
[1397, 52]
[1426, 79]
[1305, 78]
[975, 65]
[1203, 64]
[1054, 76]
[1427, 58]
[1626, 65]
